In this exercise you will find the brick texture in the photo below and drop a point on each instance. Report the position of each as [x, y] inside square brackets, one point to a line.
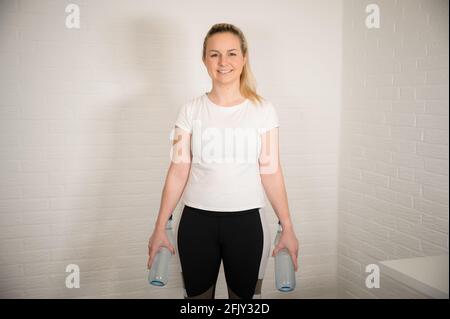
[85, 121]
[393, 184]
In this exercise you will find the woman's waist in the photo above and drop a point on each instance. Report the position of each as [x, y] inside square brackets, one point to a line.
[218, 213]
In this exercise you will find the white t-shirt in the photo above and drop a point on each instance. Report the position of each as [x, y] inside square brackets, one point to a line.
[225, 144]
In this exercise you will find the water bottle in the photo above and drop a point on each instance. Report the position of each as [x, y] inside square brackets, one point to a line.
[284, 267]
[159, 271]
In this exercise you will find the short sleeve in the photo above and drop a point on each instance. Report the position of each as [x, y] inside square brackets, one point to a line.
[270, 118]
[184, 119]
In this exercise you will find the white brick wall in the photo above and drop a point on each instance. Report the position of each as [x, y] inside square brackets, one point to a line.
[393, 192]
[85, 120]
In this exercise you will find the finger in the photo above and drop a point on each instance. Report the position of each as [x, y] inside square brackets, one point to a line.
[150, 250]
[276, 250]
[294, 260]
[168, 246]
[150, 262]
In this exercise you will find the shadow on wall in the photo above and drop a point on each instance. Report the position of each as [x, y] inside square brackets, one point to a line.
[137, 161]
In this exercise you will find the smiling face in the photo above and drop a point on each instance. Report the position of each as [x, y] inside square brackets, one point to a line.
[224, 59]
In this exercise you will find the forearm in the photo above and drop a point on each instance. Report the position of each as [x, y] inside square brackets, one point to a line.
[171, 194]
[276, 193]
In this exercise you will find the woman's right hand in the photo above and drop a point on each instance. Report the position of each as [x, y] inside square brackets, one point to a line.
[157, 240]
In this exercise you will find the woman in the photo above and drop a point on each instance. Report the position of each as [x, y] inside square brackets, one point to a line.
[232, 157]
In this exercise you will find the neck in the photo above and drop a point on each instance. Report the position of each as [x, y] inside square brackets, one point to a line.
[228, 94]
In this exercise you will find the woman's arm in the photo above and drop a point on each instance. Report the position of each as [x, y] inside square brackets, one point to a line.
[276, 193]
[176, 179]
[272, 176]
[177, 176]
[273, 182]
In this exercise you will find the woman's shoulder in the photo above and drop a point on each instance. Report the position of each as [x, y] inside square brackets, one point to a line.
[193, 101]
[189, 105]
[263, 105]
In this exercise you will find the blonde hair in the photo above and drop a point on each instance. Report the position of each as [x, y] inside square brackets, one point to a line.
[247, 80]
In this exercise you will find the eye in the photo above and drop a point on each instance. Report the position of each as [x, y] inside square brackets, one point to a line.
[213, 55]
[233, 54]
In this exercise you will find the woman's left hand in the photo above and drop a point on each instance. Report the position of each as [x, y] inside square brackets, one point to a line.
[289, 241]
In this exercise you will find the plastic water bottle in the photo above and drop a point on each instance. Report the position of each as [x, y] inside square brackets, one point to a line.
[159, 271]
[284, 267]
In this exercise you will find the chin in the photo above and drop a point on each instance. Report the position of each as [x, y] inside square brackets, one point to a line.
[226, 81]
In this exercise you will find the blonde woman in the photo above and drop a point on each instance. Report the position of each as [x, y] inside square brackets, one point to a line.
[225, 156]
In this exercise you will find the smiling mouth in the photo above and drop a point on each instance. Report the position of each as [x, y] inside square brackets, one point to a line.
[224, 72]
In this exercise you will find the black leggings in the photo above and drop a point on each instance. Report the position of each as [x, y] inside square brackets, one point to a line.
[205, 238]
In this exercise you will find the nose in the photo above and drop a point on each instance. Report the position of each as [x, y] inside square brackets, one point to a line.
[223, 60]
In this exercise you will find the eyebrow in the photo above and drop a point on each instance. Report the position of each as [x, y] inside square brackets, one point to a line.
[219, 51]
